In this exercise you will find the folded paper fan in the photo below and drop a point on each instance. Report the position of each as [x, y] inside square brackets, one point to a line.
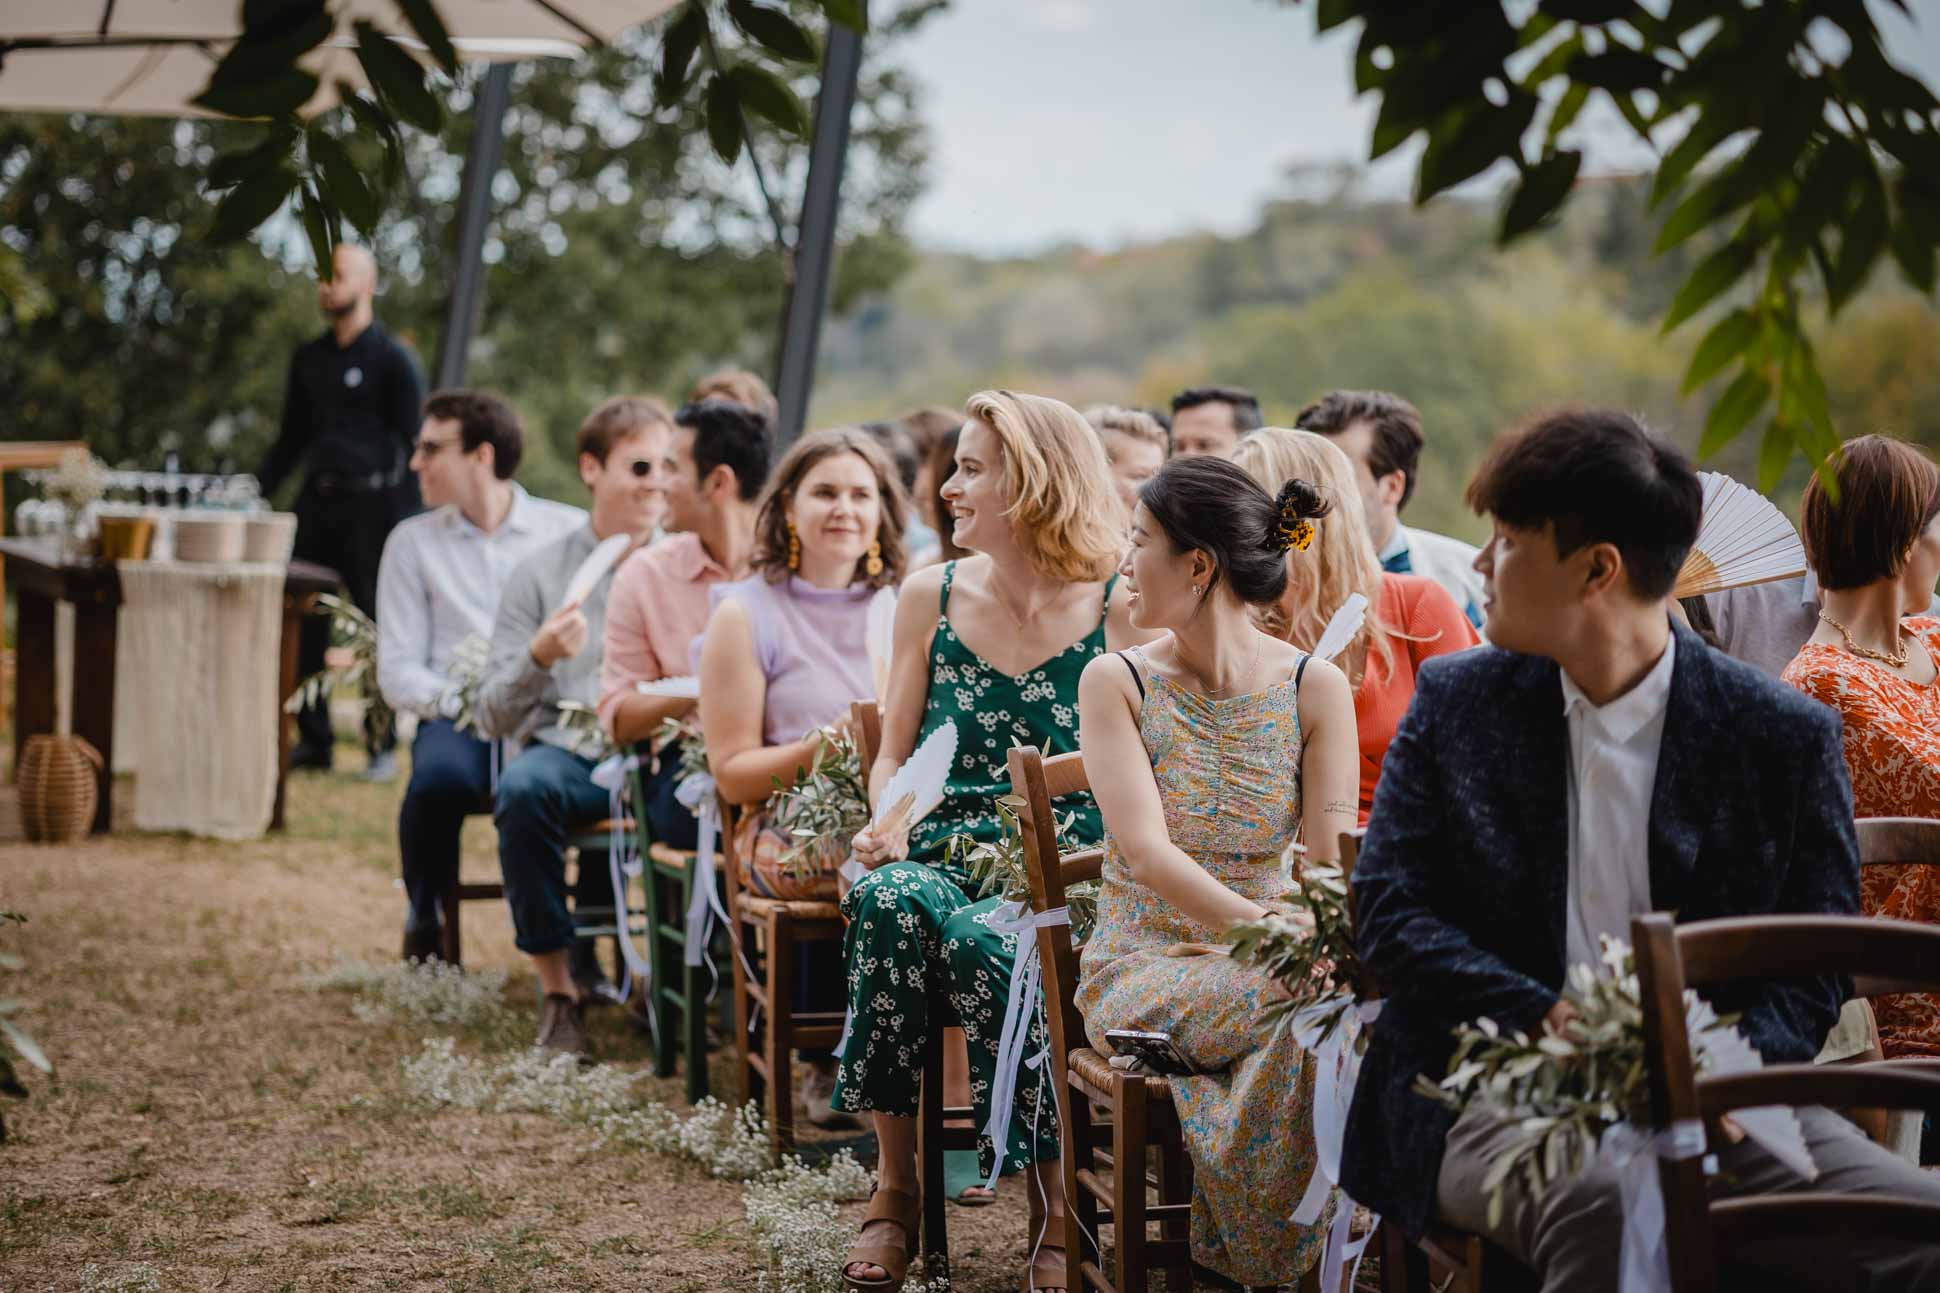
[917, 788]
[594, 568]
[1342, 627]
[882, 636]
[683, 687]
[1742, 539]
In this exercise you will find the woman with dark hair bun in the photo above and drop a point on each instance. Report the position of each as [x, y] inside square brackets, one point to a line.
[1210, 751]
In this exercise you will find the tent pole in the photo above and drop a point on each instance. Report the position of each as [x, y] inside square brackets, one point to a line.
[474, 213]
[814, 255]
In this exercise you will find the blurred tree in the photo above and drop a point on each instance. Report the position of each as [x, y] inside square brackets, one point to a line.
[626, 257]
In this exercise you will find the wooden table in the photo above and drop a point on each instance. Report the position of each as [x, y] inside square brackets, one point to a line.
[39, 579]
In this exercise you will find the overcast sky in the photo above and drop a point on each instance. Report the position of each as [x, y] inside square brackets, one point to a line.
[1113, 121]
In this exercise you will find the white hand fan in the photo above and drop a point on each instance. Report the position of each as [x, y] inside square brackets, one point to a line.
[1742, 539]
[684, 687]
[917, 788]
[882, 636]
[594, 568]
[1342, 627]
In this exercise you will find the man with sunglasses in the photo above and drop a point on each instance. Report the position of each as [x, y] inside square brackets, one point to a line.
[545, 652]
[438, 583]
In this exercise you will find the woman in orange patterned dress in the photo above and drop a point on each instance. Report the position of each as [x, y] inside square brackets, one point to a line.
[1877, 554]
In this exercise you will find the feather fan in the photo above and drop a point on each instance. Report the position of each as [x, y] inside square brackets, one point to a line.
[1341, 629]
[882, 636]
[917, 788]
[1742, 539]
[600, 560]
[682, 687]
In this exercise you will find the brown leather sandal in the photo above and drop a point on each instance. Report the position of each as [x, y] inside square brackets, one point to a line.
[885, 1205]
[1048, 1269]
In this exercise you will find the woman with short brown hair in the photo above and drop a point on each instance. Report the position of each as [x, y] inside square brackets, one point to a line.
[1876, 659]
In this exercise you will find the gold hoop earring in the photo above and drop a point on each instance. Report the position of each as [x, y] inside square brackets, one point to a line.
[794, 547]
[872, 564]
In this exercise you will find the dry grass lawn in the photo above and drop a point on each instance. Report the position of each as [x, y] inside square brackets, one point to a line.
[216, 1124]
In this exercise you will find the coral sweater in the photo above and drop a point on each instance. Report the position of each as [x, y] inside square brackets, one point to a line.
[1422, 609]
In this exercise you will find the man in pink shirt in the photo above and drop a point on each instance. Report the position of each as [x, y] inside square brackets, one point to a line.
[717, 464]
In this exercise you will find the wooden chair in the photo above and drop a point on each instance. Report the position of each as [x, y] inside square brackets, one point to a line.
[1111, 1121]
[1897, 841]
[590, 845]
[1443, 1260]
[768, 1030]
[940, 1128]
[678, 990]
[1885, 956]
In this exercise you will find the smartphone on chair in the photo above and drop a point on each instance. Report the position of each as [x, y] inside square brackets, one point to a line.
[1157, 1051]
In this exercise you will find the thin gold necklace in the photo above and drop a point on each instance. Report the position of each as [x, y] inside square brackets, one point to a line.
[1216, 693]
[1030, 612]
[1884, 657]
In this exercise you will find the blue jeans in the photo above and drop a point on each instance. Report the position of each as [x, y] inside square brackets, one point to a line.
[544, 795]
[451, 779]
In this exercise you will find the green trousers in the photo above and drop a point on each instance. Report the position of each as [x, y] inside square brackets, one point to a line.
[916, 939]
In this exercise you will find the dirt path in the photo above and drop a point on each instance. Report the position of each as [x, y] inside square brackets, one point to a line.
[217, 1125]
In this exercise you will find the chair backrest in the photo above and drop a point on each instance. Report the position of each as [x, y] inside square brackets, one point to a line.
[1671, 958]
[1898, 841]
[1037, 781]
[865, 720]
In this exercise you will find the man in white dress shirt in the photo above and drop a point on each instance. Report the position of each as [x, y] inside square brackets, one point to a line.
[1593, 764]
[1381, 434]
[437, 584]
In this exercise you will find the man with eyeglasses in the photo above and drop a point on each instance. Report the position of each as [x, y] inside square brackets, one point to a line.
[349, 411]
[545, 652]
[438, 583]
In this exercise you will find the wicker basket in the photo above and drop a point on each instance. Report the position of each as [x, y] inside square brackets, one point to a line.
[58, 788]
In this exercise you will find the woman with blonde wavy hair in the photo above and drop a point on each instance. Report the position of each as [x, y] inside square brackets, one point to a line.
[996, 643]
[1409, 618]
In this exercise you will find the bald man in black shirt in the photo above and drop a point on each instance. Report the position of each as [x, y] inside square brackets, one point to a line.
[351, 410]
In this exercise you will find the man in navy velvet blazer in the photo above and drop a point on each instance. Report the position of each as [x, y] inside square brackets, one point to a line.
[1594, 763]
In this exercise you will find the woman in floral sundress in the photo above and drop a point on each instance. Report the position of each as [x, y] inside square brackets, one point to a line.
[1210, 750]
[1874, 659]
[996, 643]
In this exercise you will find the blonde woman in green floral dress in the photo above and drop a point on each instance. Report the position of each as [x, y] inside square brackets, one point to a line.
[1210, 751]
[996, 643]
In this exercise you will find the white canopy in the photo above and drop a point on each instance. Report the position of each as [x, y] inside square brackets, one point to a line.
[150, 57]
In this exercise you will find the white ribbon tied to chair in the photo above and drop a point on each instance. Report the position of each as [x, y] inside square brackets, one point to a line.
[1336, 1057]
[696, 794]
[1635, 1152]
[611, 774]
[1025, 970]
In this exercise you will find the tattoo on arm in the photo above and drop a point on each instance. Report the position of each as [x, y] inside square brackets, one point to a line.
[1342, 806]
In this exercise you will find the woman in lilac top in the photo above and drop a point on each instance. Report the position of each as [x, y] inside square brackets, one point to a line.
[786, 651]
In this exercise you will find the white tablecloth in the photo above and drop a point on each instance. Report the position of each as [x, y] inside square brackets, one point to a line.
[202, 646]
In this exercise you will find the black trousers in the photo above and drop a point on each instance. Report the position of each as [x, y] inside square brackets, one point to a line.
[345, 531]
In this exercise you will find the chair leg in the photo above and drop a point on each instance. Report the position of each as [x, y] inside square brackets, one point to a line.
[1128, 1140]
[1175, 1186]
[781, 1041]
[660, 962]
[748, 1085]
[1404, 1267]
[453, 949]
[929, 1152]
[693, 1016]
[1080, 1207]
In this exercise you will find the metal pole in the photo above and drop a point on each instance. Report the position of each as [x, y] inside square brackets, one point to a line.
[474, 213]
[808, 293]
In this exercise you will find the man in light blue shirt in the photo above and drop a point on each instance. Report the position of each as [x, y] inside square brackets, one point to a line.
[437, 584]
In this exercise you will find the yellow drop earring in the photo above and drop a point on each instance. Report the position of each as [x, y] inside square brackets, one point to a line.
[872, 564]
[794, 548]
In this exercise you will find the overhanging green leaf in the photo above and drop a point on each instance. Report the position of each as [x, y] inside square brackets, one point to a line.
[764, 94]
[277, 94]
[773, 30]
[346, 187]
[1568, 108]
[1729, 337]
[1862, 237]
[320, 227]
[1734, 411]
[398, 78]
[1539, 194]
[430, 28]
[251, 202]
[677, 52]
[1618, 69]
[1774, 455]
[231, 169]
[853, 14]
[1712, 276]
[380, 125]
[725, 128]
[1467, 141]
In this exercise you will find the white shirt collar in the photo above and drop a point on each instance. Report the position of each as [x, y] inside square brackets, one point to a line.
[1397, 542]
[519, 518]
[1629, 713]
